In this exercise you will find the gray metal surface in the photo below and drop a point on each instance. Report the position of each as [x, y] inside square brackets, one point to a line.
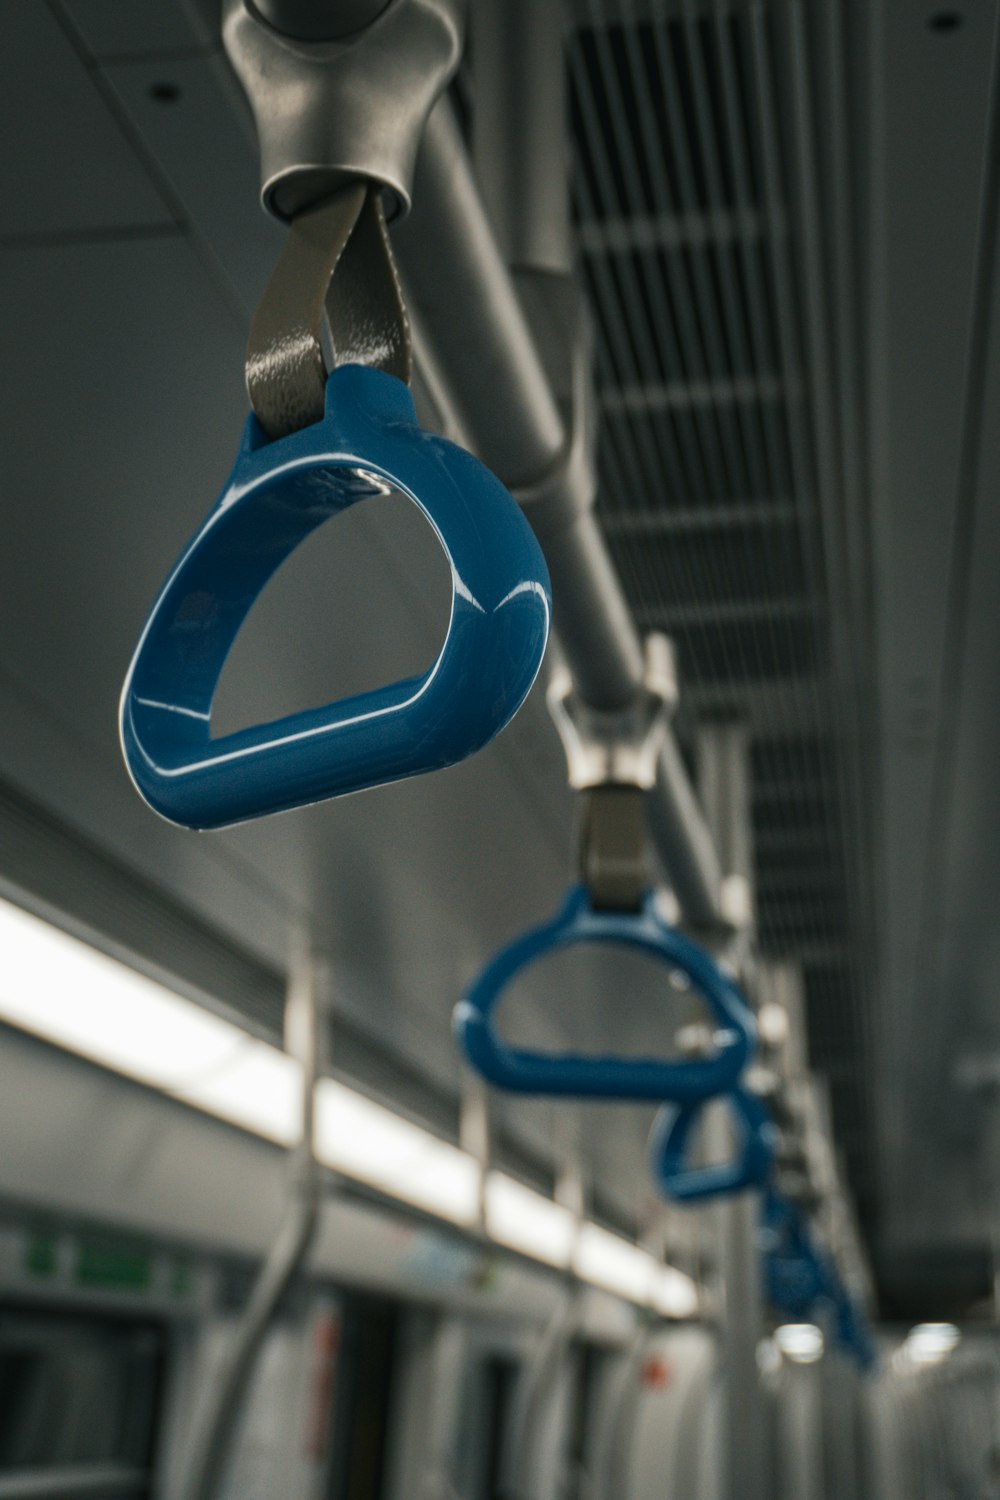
[450, 261]
[724, 764]
[508, 409]
[332, 111]
[520, 130]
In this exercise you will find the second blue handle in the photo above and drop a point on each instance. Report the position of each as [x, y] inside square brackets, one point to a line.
[580, 1076]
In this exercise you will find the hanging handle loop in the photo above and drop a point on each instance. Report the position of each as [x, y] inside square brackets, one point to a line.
[278, 493]
[336, 268]
[315, 445]
[795, 1275]
[670, 1141]
[606, 1077]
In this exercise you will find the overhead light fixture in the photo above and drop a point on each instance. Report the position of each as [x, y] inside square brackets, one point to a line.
[366, 1141]
[523, 1220]
[67, 992]
[802, 1343]
[929, 1343]
[674, 1295]
[61, 989]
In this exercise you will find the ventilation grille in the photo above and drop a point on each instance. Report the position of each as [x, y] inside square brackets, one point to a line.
[723, 342]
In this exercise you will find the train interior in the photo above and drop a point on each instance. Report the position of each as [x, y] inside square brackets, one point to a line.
[708, 287]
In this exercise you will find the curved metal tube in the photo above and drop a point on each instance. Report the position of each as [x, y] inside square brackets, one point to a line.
[614, 1470]
[213, 1440]
[501, 393]
[453, 268]
[533, 1394]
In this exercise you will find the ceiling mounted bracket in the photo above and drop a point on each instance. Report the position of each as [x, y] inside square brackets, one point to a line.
[612, 760]
[330, 111]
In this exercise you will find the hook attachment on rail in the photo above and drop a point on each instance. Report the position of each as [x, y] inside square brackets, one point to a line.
[612, 762]
[611, 759]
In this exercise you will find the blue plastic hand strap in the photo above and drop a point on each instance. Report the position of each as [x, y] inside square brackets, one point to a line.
[794, 1281]
[853, 1331]
[802, 1282]
[792, 1286]
[797, 1275]
[587, 1077]
[670, 1140]
[277, 494]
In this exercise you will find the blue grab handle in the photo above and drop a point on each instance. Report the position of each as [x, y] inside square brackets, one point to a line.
[801, 1281]
[750, 1166]
[795, 1274]
[588, 1077]
[277, 494]
[853, 1331]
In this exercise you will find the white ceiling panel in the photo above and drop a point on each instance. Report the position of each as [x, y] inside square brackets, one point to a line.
[203, 144]
[67, 167]
[111, 28]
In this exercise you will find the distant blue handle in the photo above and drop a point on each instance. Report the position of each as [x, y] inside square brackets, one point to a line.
[853, 1331]
[750, 1167]
[802, 1282]
[587, 1077]
[793, 1285]
[277, 494]
[797, 1274]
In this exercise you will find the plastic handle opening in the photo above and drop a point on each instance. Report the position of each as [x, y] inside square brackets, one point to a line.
[276, 495]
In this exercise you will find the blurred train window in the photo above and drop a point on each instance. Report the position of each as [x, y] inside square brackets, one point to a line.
[369, 1344]
[79, 1390]
[500, 1378]
[586, 1359]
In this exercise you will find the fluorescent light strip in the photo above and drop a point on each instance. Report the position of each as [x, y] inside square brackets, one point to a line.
[364, 1140]
[523, 1220]
[64, 991]
[608, 1261]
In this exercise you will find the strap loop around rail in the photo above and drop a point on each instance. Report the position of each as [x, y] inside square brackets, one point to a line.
[336, 267]
[750, 1166]
[577, 1075]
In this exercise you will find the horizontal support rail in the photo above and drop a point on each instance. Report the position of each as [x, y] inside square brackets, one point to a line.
[500, 391]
